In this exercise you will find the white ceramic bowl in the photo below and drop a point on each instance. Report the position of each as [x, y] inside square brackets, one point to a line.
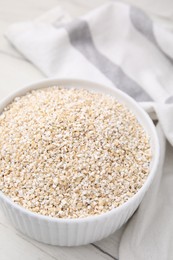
[74, 232]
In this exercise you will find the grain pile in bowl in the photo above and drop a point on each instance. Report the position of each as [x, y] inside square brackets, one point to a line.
[71, 153]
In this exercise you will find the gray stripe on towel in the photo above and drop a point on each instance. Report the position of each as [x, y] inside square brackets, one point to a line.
[169, 100]
[81, 38]
[142, 22]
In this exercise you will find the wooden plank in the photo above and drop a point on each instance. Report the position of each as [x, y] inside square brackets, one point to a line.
[14, 247]
[111, 244]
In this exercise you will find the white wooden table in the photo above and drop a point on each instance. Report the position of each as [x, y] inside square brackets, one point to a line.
[15, 72]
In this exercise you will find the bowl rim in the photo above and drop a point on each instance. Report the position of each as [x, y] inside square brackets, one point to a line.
[126, 98]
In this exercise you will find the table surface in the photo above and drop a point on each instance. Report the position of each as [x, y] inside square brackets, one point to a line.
[15, 72]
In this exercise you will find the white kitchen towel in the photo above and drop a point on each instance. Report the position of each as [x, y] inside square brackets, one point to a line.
[120, 46]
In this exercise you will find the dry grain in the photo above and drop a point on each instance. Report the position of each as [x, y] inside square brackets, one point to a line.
[71, 153]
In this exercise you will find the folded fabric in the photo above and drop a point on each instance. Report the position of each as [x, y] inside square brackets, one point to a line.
[119, 46]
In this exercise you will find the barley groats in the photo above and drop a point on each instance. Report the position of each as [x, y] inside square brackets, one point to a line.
[71, 153]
